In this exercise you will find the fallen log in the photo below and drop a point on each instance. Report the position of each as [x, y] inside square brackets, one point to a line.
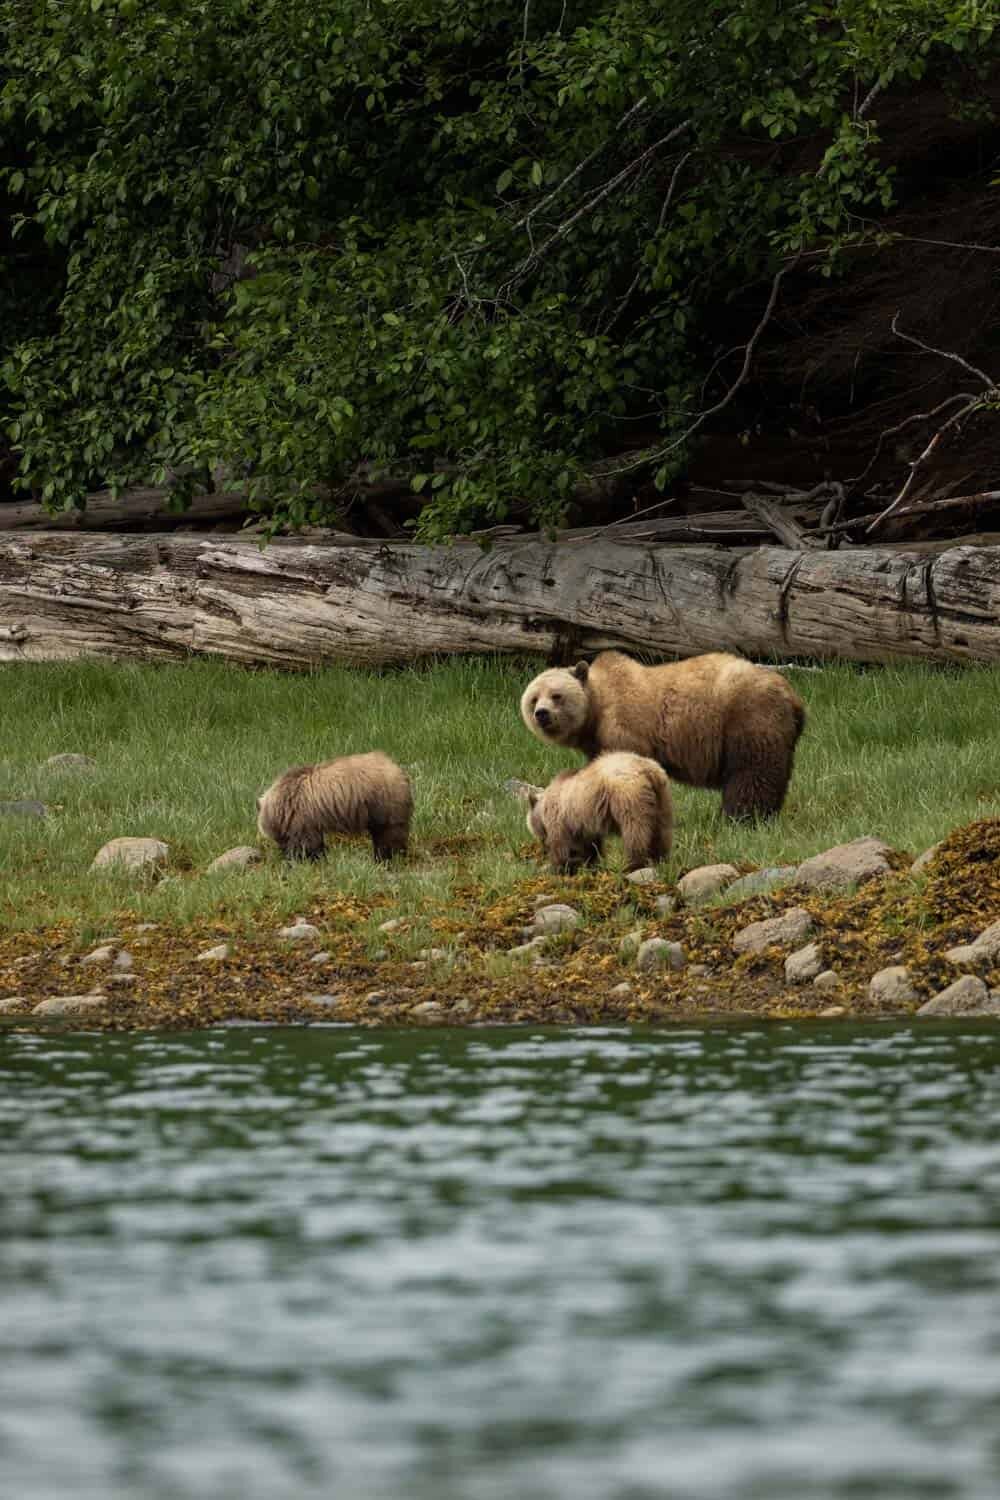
[65, 595]
[132, 507]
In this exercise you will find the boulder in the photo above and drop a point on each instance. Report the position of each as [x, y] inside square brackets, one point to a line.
[803, 965]
[68, 1005]
[131, 854]
[705, 882]
[760, 880]
[426, 1008]
[844, 865]
[646, 876]
[892, 986]
[69, 760]
[968, 996]
[828, 980]
[10, 1004]
[657, 953]
[98, 956]
[555, 918]
[23, 807]
[621, 991]
[923, 860]
[299, 932]
[791, 926]
[239, 858]
[982, 952]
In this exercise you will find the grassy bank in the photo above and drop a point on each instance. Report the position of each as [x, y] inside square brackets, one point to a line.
[903, 753]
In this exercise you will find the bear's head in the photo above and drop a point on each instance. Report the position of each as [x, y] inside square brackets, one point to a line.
[555, 706]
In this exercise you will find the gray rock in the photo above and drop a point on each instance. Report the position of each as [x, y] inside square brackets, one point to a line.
[320, 958]
[556, 918]
[525, 950]
[656, 953]
[123, 962]
[892, 986]
[324, 999]
[983, 952]
[239, 858]
[621, 991]
[830, 1011]
[646, 876]
[923, 860]
[760, 880]
[69, 760]
[629, 945]
[393, 924]
[299, 932]
[791, 927]
[98, 956]
[804, 964]
[220, 951]
[968, 996]
[828, 980]
[698, 971]
[23, 807]
[705, 882]
[10, 1004]
[426, 1008]
[131, 854]
[844, 865]
[377, 997]
[68, 1005]
[666, 905]
[147, 927]
[432, 955]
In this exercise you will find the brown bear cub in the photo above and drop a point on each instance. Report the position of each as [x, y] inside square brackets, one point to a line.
[355, 794]
[712, 721]
[624, 794]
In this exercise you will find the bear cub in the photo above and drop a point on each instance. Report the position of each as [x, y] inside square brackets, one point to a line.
[624, 794]
[711, 721]
[356, 794]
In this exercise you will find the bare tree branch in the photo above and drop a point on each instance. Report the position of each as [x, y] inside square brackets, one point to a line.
[989, 383]
[626, 299]
[910, 421]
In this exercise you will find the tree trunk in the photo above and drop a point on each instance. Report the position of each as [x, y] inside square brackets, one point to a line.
[131, 508]
[157, 597]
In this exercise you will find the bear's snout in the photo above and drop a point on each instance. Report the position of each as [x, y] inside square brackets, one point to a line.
[543, 717]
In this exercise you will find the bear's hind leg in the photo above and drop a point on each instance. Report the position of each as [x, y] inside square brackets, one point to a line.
[299, 849]
[756, 791]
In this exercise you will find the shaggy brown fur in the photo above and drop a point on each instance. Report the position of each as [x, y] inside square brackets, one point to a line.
[624, 794]
[355, 794]
[713, 721]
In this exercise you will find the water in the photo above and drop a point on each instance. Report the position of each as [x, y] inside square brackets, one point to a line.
[501, 1265]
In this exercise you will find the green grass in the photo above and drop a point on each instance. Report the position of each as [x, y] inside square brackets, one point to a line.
[182, 752]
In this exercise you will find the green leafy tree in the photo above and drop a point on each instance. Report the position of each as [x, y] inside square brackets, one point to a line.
[467, 244]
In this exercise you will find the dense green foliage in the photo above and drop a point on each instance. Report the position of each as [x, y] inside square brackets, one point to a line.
[485, 239]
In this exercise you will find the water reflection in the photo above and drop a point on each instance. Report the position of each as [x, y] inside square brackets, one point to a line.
[702, 1264]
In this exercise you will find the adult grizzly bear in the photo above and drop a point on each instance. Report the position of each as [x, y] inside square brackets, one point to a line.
[616, 793]
[355, 794]
[713, 721]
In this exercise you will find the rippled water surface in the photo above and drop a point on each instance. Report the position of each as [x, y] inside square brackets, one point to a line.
[484, 1265]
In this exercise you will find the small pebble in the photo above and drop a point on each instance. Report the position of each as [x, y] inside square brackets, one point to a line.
[320, 958]
[100, 955]
[221, 950]
[123, 962]
[646, 876]
[393, 924]
[299, 932]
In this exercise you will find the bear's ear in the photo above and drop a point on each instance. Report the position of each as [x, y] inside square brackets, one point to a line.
[531, 796]
[580, 671]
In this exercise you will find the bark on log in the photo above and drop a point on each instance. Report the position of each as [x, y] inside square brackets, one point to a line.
[131, 508]
[67, 595]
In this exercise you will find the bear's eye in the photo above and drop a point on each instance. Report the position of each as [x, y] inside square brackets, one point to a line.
[557, 697]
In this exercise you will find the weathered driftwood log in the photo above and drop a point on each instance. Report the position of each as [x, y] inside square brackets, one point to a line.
[131, 508]
[67, 595]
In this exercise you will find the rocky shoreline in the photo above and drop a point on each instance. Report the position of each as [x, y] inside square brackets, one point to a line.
[861, 930]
